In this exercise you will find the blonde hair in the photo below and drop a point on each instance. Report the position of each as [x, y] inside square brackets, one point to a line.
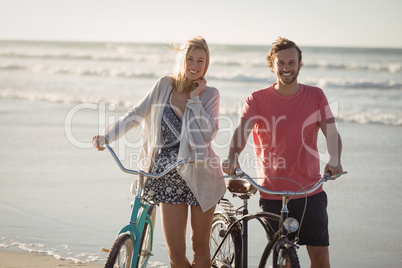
[179, 79]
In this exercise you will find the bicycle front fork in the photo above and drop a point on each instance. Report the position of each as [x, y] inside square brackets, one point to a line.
[281, 247]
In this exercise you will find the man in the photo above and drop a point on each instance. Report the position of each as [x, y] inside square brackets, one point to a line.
[285, 119]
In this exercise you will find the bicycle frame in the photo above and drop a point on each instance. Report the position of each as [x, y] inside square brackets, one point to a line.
[283, 232]
[244, 227]
[261, 217]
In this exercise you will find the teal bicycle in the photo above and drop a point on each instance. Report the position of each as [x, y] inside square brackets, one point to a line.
[133, 245]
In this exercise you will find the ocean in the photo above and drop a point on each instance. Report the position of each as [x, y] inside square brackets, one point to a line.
[60, 197]
[365, 81]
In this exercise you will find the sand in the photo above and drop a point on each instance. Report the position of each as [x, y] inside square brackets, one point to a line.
[10, 259]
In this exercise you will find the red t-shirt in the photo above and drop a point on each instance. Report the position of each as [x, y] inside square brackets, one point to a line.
[285, 136]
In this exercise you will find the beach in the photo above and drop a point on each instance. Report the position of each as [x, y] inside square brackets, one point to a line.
[26, 260]
[59, 199]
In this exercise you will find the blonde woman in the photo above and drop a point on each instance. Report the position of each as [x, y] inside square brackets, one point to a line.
[179, 116]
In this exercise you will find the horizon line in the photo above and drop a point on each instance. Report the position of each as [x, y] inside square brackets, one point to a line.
[167, 42]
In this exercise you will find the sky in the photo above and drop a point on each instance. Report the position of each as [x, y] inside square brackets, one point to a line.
[353, 23]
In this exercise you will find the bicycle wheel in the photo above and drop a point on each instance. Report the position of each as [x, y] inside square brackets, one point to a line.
[288, 253]
[270, 222]
[121, 253]
[146, 242]
[290, 256]
[225, 249]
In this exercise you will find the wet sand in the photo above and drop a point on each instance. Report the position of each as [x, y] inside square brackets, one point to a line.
[10, 259]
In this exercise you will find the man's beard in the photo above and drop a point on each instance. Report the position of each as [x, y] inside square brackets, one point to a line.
[293, 78]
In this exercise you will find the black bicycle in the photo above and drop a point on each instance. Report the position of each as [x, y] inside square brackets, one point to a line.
[229, 235]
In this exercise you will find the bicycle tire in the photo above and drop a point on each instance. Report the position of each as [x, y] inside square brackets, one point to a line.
[228, 255]
[145, 244]
[291, 257]
[121, 253]
[290, 254]
[271, 225]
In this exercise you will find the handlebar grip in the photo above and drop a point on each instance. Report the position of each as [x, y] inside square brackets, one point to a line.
[338, 175]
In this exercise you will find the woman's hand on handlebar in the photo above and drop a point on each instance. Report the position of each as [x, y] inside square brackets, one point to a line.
[98, 141]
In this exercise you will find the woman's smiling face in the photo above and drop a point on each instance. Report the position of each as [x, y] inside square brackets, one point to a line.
[195, 64]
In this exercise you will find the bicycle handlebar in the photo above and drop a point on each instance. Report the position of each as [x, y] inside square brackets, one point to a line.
[240, 174]
[149, 175]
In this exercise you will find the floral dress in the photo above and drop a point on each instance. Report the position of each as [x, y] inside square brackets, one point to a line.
[171, 188]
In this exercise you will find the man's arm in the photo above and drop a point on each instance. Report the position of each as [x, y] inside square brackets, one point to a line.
[334, 146]
[239, 141]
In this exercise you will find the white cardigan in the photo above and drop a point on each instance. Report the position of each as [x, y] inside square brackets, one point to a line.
[199, 128]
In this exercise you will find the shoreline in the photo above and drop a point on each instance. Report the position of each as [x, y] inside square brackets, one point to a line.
[10, 259]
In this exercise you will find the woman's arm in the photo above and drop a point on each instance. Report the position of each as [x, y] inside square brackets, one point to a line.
[134, 116]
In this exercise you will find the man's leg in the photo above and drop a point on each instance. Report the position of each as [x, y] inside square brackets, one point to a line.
[319, 256]
[314, 229]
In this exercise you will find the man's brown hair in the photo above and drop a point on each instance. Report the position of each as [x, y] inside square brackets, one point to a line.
[281, 44]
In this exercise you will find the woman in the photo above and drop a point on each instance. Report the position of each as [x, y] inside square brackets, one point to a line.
[180, 119]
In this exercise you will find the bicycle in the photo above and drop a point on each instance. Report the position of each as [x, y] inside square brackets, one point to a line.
[133, 245]
[229, 235]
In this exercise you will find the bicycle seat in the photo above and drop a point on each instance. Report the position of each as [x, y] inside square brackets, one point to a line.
[240, 186]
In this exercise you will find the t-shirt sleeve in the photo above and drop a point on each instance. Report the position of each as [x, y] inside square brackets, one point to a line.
[250, 110]
[325, 109]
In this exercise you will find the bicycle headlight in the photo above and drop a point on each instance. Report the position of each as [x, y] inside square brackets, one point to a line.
[291, 224]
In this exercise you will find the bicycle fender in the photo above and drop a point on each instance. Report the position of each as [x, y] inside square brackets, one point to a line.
[132, 231]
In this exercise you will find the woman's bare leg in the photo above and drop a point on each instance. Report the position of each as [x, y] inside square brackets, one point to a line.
[201, 223]
[174, 224]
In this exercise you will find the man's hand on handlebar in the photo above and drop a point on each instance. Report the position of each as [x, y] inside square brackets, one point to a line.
[229, 166]
[98, 141]
[333, 169]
